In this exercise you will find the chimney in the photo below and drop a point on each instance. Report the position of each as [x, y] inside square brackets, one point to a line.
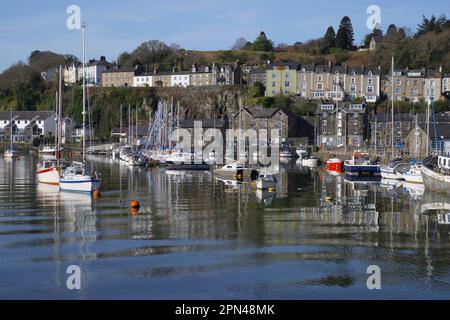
[154, 70]
[440, 68]
[103, 58]
[329, 63]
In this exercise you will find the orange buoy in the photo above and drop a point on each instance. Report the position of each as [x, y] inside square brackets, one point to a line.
[135, 204]
[96, 193]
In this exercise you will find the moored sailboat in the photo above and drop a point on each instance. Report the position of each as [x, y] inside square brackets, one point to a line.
[77, 178]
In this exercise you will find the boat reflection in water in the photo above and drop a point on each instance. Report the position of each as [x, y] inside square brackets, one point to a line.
[192, 227]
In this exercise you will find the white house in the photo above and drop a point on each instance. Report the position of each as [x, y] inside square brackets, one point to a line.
[67, 129]
[70, 74]
[94, 71]
[26, 125]
[143, 80]
[179, 79]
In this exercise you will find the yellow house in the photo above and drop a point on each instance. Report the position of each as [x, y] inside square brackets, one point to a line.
[281, 78]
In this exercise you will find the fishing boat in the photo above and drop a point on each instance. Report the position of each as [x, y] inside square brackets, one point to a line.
[77, 178]
[237, 171]
[48, 171]
[414, 174]
[394, 170]
[334, 164]
[266, 182]
[310, 162]
[361, 164]
[436, 173]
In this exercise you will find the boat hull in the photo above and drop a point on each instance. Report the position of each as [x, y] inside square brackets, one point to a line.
[435, 181]
[48, 176]
[85, 185]
[361, 168]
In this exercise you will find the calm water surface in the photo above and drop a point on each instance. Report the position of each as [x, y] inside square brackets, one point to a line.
[197, 237]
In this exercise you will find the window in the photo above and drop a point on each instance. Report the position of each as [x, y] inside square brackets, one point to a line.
[370, 73]
[319, 86]
[355, 115]
[273, 84]
[352, 88]
[286, 83]
[370, 81]
[286, 75]
[319, 78]
[353, 80]
[302, 77]
[324, 123]
[369, 89]
[274, 75]
[396, 90]
[399, 82]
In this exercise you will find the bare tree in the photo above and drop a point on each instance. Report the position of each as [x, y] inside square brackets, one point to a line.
[239, 44]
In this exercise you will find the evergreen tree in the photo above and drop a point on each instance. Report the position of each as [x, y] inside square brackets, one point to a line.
[329, 38]
[345, 35]
[391, 33]
[262, 43]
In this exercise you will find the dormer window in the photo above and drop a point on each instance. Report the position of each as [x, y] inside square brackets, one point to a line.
[370, 73]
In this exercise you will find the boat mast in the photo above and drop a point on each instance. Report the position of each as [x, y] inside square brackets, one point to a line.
[59, 117]
[392, 109]
[11, 130]
[56, 120]
[83, 30]
[120, 135]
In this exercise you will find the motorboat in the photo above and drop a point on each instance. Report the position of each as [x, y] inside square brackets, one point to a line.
[237, 171]
[266, 181]
[361, 164]
[394, 170]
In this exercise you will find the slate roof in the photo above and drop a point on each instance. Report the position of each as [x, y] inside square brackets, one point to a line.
[291, 65]
[119, 70]
[26, 115]
[324, 68]
[206, 123]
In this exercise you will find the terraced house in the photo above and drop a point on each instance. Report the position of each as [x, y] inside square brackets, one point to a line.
[341, 126]
[324, 82]
[281, 78]
[415, 85]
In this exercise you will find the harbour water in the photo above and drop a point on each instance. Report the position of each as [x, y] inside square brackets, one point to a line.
[197, 237]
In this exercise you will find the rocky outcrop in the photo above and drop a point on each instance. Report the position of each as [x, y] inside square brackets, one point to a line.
[204, 102]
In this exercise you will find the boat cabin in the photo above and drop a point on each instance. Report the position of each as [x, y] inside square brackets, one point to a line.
[444, 163]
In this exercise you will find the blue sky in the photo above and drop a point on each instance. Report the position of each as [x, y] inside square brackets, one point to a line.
[117, 26]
